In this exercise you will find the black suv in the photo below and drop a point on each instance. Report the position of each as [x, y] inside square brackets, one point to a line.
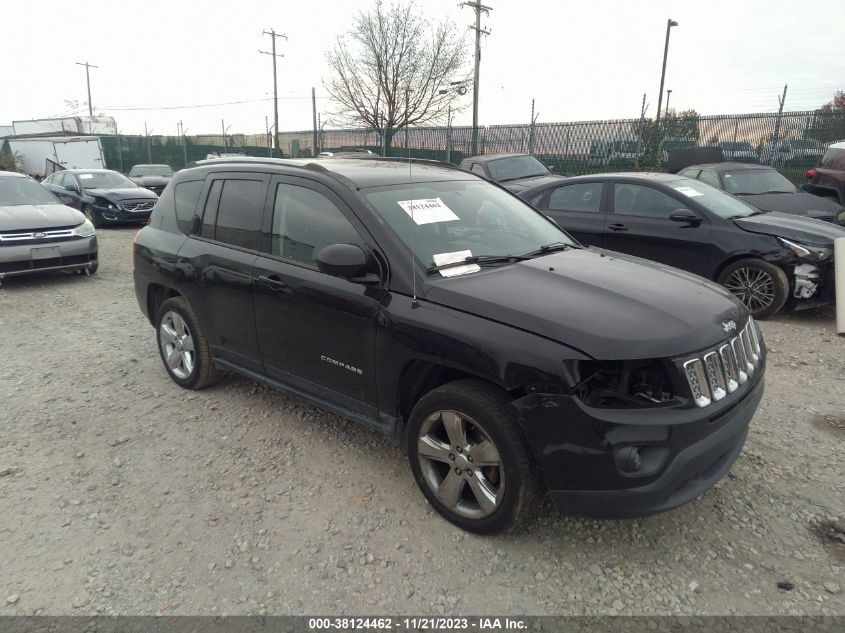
[447, 313]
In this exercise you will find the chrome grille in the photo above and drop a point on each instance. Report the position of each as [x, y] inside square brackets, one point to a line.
[722, 371]
[7, 238]
[138, 205]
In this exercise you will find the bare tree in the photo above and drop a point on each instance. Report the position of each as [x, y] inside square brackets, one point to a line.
[393, 69]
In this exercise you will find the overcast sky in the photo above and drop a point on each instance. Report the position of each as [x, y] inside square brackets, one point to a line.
[579, 60]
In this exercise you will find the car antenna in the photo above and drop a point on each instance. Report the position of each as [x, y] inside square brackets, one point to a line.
[414, 303]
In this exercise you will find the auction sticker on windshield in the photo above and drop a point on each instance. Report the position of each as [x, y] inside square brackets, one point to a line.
[689, 191]
[86, 176]
[427, 210]
[441, 259]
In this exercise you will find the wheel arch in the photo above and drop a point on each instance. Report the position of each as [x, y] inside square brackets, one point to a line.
[418, 377]
[156, 295]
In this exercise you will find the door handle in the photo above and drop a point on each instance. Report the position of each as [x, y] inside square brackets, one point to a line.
[273, 282]
[617, 227]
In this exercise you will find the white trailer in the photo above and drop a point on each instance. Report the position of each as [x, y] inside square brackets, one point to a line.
[69, 152]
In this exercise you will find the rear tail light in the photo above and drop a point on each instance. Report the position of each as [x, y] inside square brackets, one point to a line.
[811, 173]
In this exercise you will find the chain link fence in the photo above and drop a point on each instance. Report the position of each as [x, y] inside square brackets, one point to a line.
[793, 142]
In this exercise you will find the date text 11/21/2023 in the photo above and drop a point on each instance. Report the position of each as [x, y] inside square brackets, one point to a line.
[417, 624]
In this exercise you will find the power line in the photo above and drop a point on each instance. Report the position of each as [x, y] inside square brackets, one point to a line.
[205, 105]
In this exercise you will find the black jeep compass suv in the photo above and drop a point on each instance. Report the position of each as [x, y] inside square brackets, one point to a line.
[446, 312]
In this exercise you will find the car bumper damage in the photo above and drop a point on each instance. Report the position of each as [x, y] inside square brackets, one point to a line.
[616, 463]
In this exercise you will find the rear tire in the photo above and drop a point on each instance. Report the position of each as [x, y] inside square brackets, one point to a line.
[469, 459]
[183, 347]
[762, 287]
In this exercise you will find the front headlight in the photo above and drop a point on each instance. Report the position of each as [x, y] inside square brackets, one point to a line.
[86, 229]
[107, 204]
[820, 253]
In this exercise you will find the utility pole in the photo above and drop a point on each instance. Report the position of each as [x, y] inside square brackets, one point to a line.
[668, 94]
[223, 129]
[88, 81]
[643, 109]
[320, 128]
[314, 119]
[184, 143]
[273, 35]
[669, 24]
[267, 138]
[147, 133]
[781, 100]
[478, 8]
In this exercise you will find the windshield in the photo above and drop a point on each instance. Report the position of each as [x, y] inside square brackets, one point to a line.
[17, 190]
[714, 200]
[755, 181]
[737, 147]
[625, 147]
[516, 167]
[105, 180]
[462, 216]
[806, 144]
[151, 170]
[677, 143]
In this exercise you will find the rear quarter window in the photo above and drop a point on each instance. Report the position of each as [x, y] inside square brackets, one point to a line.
[185, 197]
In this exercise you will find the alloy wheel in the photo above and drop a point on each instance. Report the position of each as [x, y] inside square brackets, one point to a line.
[753, 286]
[177, 346]
[461, 464]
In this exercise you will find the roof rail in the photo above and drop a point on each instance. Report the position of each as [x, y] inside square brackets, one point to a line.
[403, 159]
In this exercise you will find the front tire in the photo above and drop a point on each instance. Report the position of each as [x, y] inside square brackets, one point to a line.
[469, 459]
[183, 347]
[762, 287]
[91, 215]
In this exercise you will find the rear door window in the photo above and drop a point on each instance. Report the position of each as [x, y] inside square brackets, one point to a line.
[239, 213]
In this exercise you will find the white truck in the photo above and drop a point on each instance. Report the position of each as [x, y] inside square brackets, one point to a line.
[43, 155]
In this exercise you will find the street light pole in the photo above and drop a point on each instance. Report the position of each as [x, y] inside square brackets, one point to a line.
[669, 24]
[668, 94]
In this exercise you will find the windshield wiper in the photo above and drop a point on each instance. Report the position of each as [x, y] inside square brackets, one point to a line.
[525, 176]
[760, 193]
[549, 248]
[481, 260]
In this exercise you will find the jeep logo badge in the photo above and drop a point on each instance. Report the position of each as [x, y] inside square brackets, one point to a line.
[729, 326]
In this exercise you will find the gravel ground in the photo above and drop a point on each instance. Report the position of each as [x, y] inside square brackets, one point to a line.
[122, 494]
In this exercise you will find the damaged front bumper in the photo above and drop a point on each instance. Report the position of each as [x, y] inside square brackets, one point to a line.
[614, 463]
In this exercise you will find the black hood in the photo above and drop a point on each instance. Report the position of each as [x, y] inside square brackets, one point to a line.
[792, 227]
[151, 181]
[117, 195]
[800, 203]
[607, 305]
[522, 184]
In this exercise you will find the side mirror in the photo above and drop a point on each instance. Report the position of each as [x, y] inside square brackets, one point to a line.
[347, 261]
[686, 216]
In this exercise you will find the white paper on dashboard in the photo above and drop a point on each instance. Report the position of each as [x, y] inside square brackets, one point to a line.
[458, 256]
[427, 210]
[689, 191]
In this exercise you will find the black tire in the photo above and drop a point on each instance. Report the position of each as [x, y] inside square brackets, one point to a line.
[202, 371]
[744, 276]
[484, 409]
[92, 216]
[93, 267]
